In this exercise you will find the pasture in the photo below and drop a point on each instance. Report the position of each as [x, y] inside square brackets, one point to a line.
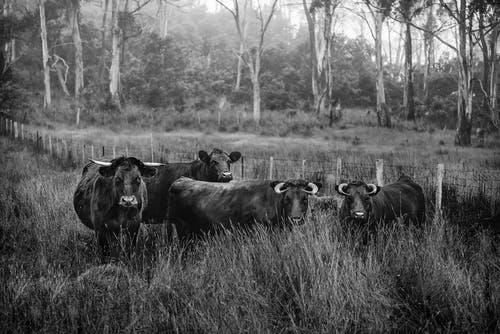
[317, 278]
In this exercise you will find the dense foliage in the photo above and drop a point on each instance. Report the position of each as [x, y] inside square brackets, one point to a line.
[195, 65]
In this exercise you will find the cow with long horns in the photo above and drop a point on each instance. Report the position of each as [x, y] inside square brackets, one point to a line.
[368, 203]
[198, 207]
[110, 198]
[213, 167]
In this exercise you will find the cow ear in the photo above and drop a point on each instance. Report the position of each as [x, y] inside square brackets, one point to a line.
[203, 155]
[234, 156]
[148, 171]
[107, 171]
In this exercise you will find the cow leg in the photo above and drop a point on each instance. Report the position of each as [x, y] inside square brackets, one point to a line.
[103, 244]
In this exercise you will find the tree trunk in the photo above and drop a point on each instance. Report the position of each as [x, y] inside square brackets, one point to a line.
[163, 18]
[383, 117]
[256, 100]
[103, 41]
[242, 30]
[61, 78]
[255, 75]
[114, 72]
[464, 109]
[239, 67]
[428, 53]
[493, 83]
[311, 24]
[47, 100]
[73, 11]
[398, 50]
[409, 102]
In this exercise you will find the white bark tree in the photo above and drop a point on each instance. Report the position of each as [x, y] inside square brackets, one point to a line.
[319, 15]
[73, 10]
[239, 12]
[114, 72]
[379, 10]
[47, 100]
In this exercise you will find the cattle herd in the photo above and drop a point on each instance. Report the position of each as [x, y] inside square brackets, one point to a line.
[200, 197]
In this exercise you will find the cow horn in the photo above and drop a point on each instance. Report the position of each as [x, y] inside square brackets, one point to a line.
[341, 189]
[101, 163]
[372, 187]
[314, 188]
[278, 188]
[154, 164]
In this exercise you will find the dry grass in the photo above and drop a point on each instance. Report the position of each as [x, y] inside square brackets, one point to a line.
[317, 278]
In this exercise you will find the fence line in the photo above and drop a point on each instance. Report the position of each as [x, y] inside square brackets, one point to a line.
[455, 185]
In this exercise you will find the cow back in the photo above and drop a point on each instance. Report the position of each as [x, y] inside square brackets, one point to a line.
[403, 198]
[196, 207]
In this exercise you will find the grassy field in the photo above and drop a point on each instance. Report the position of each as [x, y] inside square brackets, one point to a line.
[317, 278]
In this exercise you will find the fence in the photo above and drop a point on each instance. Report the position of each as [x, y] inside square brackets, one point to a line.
[456, 192]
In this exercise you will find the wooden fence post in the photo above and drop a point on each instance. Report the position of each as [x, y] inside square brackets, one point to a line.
[50, 144]
[152, 154]
[271, 163]
[379, 163]
[339, 170]
[22, 131]
[16, 132]
[83, 153]
[439, 190]
[242, 168]
[114, 151]
[103, 153]
[92, 151]
[303, 176]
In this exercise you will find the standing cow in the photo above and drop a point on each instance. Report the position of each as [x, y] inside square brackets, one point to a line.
[213, 167]
[111, 197]
[368, 203]
[198, 207]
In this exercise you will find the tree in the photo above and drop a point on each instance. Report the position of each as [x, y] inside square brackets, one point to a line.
[319, 17]
[102, 67]
[252, 55]
[47, 100]
[72, 13]
[461, 13]
[114, 71]
[488, 17]
[239, 14]
[407, 10]
[428, 51]
[379, 10]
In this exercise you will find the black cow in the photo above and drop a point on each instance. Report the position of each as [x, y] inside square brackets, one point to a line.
[368, 203]
[110, 198]
[213, 167]
[199, 207]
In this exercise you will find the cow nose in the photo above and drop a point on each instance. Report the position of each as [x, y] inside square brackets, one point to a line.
[128, 201]
[359, 214]
[297, 220]
[226, 175]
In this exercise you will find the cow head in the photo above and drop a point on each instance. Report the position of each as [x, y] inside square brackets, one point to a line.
[218, 164]
[358, 198]
[126, 175]
[294, 198]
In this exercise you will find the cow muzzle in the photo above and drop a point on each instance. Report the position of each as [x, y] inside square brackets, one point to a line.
[359, 214]
[296, 220]
[128, 201]
[226, 176]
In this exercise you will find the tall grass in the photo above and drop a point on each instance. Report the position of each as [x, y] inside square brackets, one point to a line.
[320, 277]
